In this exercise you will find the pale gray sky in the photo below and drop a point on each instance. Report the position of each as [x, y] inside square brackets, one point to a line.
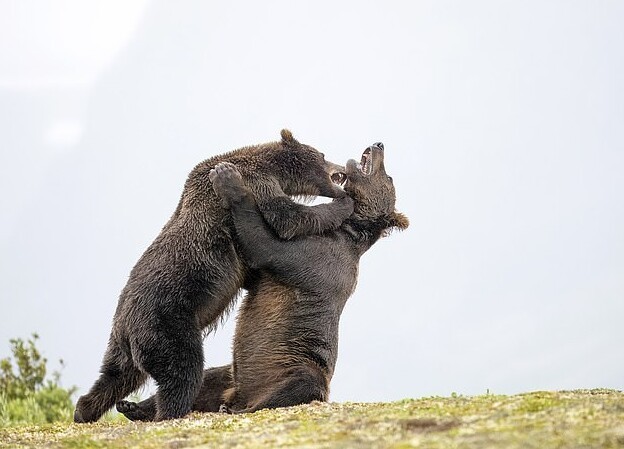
[503, 126]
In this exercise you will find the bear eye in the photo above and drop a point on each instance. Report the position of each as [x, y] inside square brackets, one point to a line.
[390, 178]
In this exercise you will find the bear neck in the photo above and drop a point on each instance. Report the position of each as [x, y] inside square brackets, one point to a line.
[365, 231]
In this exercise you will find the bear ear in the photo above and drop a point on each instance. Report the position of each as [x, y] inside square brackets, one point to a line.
[398, 221]
[287, 138]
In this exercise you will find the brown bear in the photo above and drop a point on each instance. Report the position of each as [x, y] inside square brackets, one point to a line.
[191, 273]
[286, 340]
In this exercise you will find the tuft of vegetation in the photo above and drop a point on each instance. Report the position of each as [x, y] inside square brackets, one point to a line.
[27, 394]
[542, 420]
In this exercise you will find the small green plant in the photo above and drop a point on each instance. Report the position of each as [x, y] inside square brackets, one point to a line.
[27, 395]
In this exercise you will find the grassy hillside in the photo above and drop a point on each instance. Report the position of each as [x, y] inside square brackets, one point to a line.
[567, 419]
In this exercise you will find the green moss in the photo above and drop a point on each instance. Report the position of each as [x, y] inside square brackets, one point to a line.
[567, 419]
[539, 401]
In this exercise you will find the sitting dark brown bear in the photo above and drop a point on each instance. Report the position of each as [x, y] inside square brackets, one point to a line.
[286, 340]
[190, 274]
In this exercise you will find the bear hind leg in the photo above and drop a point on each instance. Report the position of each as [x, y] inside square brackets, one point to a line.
[141, 411]
[300, 387]
[178, 372]
[118, 378]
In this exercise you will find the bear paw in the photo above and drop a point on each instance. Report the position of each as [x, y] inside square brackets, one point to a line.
[227, 183]
[131, 410]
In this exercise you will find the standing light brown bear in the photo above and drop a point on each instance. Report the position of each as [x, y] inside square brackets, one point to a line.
[286, 340]
[191, 273]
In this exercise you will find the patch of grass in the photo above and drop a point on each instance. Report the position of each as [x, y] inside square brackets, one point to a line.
[28, 395]
[567, 419]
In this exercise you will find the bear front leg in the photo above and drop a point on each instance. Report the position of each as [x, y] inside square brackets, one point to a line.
[290, 220]
[288, 260]
[286, 218]
[257, 242]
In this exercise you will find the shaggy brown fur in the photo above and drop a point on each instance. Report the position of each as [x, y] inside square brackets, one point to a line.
[286, 340]
[190, 274]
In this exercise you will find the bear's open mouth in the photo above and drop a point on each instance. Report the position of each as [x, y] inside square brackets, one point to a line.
[339, 178]
[366, 164]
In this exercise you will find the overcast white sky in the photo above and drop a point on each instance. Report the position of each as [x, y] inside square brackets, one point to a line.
[504, 131]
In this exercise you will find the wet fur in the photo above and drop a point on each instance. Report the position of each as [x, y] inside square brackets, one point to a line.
[286, 339]
[190, 274]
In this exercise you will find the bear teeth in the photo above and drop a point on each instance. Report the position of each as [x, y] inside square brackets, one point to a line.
[366, 164]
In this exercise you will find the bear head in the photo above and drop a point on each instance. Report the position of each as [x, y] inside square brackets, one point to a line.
[303, 170]
[372, 190]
